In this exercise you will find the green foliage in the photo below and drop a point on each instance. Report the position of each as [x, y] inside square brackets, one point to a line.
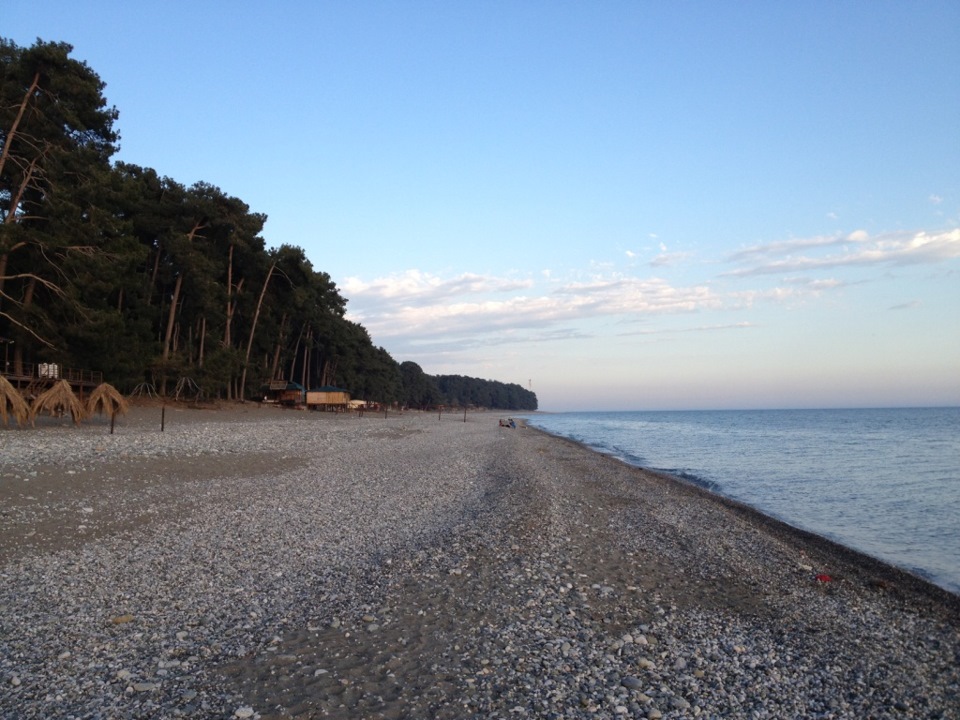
[466, 391]
[112, 267]
[419, 389]
[57, 136]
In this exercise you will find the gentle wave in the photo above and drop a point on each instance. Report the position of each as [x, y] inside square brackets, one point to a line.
[885, 482]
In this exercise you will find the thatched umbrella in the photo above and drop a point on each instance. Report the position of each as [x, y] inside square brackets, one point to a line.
[12, 401]
[107, 399]
[58, 400]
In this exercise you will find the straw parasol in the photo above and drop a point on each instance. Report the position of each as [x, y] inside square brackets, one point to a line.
[12, 401]
[57, 400]
[107, 399]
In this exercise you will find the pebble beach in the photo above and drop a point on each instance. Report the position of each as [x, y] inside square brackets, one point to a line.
[252, 562]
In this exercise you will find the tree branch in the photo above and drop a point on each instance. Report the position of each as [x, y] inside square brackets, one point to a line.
[16, 121]
[31, 276]
[27, 329]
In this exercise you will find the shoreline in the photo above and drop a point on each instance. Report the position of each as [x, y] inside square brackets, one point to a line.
[881, 570]
[844, 475]
[246, 563]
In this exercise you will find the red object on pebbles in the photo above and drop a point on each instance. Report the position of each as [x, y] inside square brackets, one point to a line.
[824, 578]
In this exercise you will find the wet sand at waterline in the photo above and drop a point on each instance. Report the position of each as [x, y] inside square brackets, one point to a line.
[251, 561]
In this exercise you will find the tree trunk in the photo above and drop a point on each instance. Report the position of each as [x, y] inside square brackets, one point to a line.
[18, 347]
[293, 357]
[12, 216]
[153, 275]
[3, 267]
[176, 296]
[203, 336]
[253, 329]
[171, 316]
[304, 375]
[276, 361]
[3, 274]
[278, 347]
[229, 311]
[11, 133]
[18, 359]
[28, 294]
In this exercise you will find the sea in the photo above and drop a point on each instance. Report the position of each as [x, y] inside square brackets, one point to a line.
[885, 482]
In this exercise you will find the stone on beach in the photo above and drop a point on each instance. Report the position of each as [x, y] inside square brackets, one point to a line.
[324, 565]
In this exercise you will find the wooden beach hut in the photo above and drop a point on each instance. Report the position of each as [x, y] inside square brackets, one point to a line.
[283, 392]
[328, 397]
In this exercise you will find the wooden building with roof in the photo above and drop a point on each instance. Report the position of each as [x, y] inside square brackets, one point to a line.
[328, 397]
[283, 392]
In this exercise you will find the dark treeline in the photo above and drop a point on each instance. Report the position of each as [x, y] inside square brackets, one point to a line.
[422, 390]
[109, 266]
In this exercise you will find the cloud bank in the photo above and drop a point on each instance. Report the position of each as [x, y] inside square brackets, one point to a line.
[423, 305]
[414, 310]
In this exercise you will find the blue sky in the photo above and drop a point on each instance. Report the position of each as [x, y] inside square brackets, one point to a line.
[623, 205]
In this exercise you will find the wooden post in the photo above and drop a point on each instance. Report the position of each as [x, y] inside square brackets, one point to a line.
[163, 414]
[464, 413]
[113, 417]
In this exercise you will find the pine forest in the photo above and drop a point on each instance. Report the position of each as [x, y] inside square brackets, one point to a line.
[112, 267]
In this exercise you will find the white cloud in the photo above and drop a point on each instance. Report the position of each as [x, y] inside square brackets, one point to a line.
[748, 298]
[788, 247]
[418, 305]
[665, 259]
[697, 329]
[415, 287]
[816, 285]
[619, 295]
[422, 313]
[907, 305]
[855, 249]
[793, 291]
[935, 199]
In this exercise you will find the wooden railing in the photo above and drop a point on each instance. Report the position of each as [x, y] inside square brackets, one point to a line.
[28, 372]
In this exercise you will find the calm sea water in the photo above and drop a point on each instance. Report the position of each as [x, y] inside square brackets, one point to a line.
[885, 482]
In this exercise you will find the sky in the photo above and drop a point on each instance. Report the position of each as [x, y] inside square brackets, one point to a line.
[619, 205]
